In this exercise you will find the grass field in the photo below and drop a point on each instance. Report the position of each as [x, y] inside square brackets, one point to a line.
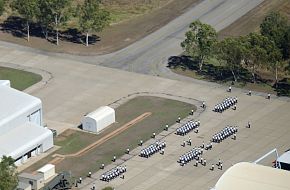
[19, 79]
[164, 111]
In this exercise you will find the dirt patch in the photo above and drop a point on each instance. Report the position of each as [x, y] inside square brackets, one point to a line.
[114, 37]
[252, 20]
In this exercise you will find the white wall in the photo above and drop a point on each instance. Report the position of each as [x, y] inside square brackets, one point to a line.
[105, 121]
[22, 116]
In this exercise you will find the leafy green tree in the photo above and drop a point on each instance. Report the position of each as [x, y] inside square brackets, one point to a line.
[92, 18]
[275, 62]
[286, 44]
[53, 14]
[27, 9]
[8, 174]
[2, 6]
[257, 49]
[275, 27]
[44, 16]
[199, 42]
[230, 50]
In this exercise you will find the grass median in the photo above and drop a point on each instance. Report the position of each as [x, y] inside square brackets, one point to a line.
[19, 79]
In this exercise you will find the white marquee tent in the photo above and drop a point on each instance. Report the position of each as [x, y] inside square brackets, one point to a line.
[99, 119]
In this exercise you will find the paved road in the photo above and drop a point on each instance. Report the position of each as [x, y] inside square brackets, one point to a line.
[150, 54]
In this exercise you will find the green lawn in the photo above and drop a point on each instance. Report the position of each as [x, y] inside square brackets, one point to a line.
[19, 79]
[164, 111]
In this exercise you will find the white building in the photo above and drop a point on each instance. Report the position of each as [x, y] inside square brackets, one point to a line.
[99, 119]
[47, 171]
[22, 134]
[249, 176]
[5, 82]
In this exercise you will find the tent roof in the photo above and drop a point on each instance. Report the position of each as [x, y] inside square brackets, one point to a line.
[285, 158]
[101, 112]
[249, 176]
[21, 139]
[46, 168]
[14, 102]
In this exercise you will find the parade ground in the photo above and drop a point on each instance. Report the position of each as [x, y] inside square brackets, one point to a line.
[87, 87]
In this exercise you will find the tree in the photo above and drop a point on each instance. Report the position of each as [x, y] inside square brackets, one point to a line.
[2, 6]
[230, 50]
[275, 62]
[274, 27]
[54, 13]
[27, 9]
[257, 49]
[199, 42]
[8, 174]
[286, 44]
[92, 18]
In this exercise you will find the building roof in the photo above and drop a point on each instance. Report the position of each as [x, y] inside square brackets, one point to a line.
[14, 102]
[285, 158]
[46, 168]
[22, 139]
[101, 112]
[249, 176]
[5, 82]
[22, 185]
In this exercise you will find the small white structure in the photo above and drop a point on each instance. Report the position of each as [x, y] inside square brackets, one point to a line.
[35, 181]
[47, 171]
[99, 119]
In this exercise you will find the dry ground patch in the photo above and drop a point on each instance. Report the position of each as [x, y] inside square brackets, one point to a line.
[163, 111]
[251, 21]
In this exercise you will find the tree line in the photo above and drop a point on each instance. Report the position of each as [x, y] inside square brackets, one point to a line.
[268, 49]
[55, 14]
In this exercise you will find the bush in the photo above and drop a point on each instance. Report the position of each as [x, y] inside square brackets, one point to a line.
[108, 188]
[2, 5]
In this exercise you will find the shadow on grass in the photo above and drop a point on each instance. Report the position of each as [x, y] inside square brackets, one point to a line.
[210, 72]
[16, 26]
[221, 74]
[283, 87]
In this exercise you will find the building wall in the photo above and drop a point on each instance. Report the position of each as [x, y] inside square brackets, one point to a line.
[21, 117]
[98, 124]
[33, 148]
[105, 121]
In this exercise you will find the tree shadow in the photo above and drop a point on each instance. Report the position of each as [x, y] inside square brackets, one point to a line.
[16, 26]
[75, 36]
[214, 73]
[183, 61]
[283, 87]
